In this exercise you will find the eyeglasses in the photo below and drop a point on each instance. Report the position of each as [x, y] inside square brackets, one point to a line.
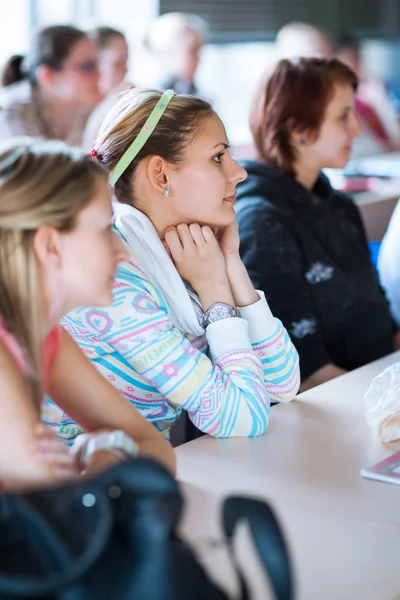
[88, 66]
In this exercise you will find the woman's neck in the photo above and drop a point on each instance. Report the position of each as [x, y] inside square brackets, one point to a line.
[159, 221]
[306, 174]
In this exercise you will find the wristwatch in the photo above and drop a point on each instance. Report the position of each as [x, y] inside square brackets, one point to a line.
[219, 311]
[117, 442]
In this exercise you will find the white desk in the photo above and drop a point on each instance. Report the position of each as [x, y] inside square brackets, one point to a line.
[344, 531]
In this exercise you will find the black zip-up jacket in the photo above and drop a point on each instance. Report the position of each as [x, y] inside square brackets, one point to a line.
[307, 250]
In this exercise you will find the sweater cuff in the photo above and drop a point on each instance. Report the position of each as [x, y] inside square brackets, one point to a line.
[227, 335]
[261, 321]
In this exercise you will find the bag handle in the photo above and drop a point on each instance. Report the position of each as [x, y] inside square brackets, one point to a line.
[269, 541]
[43, 530]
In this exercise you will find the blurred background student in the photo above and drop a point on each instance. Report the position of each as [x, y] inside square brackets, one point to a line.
[297, 38]
[377, 115]
[56, 87]
[113, 67]
[175, 40]
[113, 58]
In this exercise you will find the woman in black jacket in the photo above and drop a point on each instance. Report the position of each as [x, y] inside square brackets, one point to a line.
[302, 242]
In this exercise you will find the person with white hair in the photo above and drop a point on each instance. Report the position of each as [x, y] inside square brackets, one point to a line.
[175, 40]
[297, 39]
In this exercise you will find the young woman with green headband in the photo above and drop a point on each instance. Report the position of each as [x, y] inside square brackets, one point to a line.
[186, 329]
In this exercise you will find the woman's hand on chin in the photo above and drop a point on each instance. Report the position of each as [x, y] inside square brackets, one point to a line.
[200, 261]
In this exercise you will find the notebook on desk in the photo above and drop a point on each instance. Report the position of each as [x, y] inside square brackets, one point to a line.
[387, 470]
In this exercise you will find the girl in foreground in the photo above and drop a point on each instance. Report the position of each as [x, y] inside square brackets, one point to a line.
[57, 251]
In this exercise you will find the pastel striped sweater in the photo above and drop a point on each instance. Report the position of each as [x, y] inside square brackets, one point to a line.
[225, 378]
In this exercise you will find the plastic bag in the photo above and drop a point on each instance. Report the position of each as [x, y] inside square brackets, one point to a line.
[382, 404]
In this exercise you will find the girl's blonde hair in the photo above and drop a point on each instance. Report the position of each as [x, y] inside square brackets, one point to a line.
[41, 183]
[177, 127]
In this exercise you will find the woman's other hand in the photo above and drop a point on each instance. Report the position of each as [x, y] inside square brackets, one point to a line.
[243, 291]
[228, 240]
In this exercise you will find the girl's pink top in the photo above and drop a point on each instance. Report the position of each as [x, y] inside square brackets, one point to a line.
[50, 347]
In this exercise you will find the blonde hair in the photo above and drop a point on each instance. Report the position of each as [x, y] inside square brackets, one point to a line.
[177, 127]
[168, 29]
[41, 183]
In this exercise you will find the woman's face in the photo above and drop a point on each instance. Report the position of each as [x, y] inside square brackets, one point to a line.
[89, 255]
[203, 186]
[339, 128]
[78, 79]
[113, 64]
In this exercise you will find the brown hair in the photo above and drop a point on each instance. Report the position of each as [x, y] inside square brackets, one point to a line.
[41, 183]
[13, 70]
[50, 46]
[176, 129]
[294, 97]
[104, 35]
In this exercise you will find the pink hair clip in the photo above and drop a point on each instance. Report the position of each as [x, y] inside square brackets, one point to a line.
[93, 153]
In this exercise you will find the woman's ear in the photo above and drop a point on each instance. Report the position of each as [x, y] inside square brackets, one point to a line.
[45, 76]
[47, 246]
[157, 172]
[300, 138]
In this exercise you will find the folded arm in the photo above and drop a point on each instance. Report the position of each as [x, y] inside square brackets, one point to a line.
[82, 392]
[225, 396]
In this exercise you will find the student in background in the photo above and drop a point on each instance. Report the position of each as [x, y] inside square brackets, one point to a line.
[302, 242]
[113, 59]
[57, 251]
[186, 330]
[175, 40]
[113, 52]
[297, 39]
[378, 118]
[56, 89]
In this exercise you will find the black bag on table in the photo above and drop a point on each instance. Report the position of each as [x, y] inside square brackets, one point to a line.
[114, 537]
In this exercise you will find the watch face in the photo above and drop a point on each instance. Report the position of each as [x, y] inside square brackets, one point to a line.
[219, 311]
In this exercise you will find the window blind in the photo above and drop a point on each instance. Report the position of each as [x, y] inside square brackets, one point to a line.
[247, 20]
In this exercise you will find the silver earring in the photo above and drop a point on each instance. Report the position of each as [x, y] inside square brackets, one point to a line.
[166, 192]
[302, 142]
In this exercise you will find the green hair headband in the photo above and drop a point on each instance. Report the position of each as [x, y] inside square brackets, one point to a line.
[142, 137]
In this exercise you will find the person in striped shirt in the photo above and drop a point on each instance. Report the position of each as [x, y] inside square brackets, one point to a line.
[186, 330]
